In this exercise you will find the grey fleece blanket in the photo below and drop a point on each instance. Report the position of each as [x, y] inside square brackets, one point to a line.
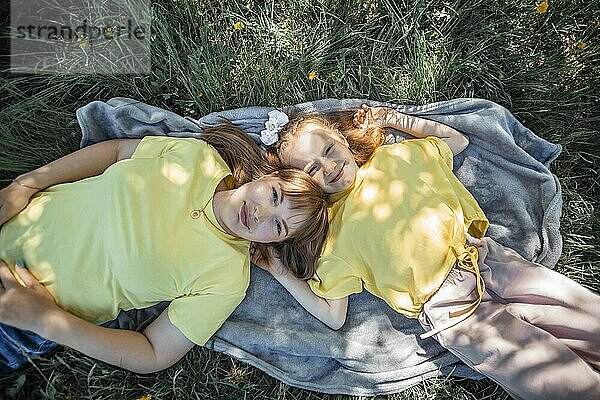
[377, 351]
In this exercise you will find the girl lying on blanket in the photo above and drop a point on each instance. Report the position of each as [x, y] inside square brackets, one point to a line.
[165, 219]
[405, 229]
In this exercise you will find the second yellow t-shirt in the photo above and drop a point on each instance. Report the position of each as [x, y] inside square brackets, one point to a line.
[399, 230]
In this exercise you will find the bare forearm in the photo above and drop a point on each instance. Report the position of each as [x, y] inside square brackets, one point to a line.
[331, 312]
[83, 163]
[421, 128]
[126, 349]
[30, 306]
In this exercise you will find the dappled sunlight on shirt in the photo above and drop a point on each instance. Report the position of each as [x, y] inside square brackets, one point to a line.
[177, 174]
[382, 212]
[34, 212]
[126, 239]
[209, 166]
[396, 230]
[397, 188]
[402, 153]
[134, 180]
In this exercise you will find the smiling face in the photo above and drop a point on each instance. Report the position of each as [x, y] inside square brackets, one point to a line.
[258, 211]
[324, 155]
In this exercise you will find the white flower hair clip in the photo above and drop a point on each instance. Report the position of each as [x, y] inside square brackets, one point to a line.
[277, 120]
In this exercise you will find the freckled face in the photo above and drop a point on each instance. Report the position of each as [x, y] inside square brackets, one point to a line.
[324, 155]
[259, 211]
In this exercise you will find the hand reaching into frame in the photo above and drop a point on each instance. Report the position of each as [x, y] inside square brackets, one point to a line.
[23, 306]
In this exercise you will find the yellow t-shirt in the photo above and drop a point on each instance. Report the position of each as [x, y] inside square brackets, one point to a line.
[399, 230]
[128, 239]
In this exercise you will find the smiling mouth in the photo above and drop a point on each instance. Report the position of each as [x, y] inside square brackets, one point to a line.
[244, 215]
[339, 174]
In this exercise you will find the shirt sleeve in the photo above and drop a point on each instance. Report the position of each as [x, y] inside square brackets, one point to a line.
[163, 146]
[183, 157]
[442, 149]
[153, 146]
[334, 279]
[198, 317]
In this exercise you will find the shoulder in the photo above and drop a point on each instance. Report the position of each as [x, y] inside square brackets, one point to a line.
[424, 144]
[413, 150]
[160, 146]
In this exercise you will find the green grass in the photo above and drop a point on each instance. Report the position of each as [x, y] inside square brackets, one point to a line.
[404, 51]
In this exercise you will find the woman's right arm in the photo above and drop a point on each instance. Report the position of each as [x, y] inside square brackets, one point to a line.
[83, 163]
[331, 312]
[31, 307]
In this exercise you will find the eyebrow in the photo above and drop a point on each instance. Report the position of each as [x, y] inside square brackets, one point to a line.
[281, 197]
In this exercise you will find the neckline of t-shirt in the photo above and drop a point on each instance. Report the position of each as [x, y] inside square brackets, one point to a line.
[209, 212]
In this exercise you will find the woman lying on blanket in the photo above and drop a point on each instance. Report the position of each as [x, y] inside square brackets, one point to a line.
[165, 219]
[407, 230]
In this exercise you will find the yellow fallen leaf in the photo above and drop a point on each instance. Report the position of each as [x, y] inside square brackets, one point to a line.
[146, 397]
[312, 75]
[239, 25]
[542, 7]
[581, 45]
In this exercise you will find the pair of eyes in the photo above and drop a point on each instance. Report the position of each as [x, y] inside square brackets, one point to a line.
[275, 202]
[313, 168]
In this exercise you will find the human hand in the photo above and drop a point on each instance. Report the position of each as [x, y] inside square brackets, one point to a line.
[23, 307]
[473, 241]
[370, 117]
[266, 259]
[13, 199]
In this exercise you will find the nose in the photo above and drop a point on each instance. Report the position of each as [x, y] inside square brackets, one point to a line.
[328, 166]
[262, 212]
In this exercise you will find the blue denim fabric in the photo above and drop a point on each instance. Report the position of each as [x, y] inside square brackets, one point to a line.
[15, 343]
[16, 346]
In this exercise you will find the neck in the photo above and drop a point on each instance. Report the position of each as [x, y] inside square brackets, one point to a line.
[220, 201]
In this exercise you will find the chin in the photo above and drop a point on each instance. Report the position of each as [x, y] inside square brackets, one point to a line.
[243, 237]
[345, 186]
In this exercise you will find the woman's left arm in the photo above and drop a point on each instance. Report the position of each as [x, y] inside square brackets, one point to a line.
[332, 312]
[387, 117]
[31, 307]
